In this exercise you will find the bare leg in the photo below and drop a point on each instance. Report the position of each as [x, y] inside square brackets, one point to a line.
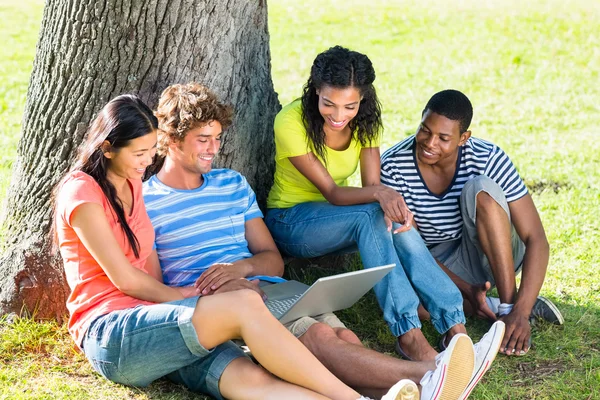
[423, 313]
[242, 313]
[416, 346]
[244, 380]
[370, 372]
[493, 230]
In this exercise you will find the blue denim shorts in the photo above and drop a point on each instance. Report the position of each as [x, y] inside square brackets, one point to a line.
[138, 345]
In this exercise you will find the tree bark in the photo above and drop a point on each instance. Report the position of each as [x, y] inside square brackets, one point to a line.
[88, 52]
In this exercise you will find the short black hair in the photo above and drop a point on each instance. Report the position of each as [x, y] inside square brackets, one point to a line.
[453, 105]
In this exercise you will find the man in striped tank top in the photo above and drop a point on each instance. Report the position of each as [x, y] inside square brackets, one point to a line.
[476, 216]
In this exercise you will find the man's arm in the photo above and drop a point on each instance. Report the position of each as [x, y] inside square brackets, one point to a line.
[266, 260]
[529, 227]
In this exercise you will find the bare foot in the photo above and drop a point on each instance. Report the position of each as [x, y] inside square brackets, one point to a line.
[415, 345]
[458, 328]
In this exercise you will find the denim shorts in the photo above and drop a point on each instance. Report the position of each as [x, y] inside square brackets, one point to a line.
[138, 345]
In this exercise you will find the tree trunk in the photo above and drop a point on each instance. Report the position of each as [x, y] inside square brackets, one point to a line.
[88, 52]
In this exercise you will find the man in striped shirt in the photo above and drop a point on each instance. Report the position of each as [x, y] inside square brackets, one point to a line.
[476, 216]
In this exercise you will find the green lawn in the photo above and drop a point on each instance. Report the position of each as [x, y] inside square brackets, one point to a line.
[531, 69]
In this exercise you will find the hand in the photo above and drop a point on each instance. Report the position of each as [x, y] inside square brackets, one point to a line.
[517, 333]
[476, 296]
[390, 225]
[238, 284]
[393, 205]
[188, 291]
[216, 275]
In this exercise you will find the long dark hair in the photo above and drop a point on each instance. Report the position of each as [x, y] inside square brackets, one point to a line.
[123, 119]
[341, 68]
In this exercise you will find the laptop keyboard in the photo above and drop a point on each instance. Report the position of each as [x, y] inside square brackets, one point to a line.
[279, 307]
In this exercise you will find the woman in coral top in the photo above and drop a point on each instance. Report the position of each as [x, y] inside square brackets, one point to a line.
[134, 329]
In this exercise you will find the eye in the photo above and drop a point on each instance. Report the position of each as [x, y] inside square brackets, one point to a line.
[218, 138]
[350, 108]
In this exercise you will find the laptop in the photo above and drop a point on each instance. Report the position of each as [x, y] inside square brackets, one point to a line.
[291, 300]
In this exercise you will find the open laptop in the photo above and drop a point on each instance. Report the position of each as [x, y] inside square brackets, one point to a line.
[291, 300]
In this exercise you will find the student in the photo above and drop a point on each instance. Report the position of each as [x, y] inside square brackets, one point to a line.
[320, 140]
[474, 212]
[209, 233]
[133, 328]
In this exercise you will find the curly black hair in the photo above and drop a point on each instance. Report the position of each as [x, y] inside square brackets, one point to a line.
[341, 68]
[453, 105]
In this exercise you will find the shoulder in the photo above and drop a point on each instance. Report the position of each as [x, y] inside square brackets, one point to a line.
[481, 147]
[78, 184]
[154, 187]
[292, 111]
[225, 177]
[399, 150]
[290, 116]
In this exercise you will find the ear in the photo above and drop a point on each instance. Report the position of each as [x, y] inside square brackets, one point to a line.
[318, 92]
[464, 137]
[106, 149]
[173, 144]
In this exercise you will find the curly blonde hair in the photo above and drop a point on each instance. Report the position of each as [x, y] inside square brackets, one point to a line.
[183, 107]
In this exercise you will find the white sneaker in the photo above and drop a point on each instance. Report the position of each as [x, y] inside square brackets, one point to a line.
[403, 390]
[485, 352]
[453, 371]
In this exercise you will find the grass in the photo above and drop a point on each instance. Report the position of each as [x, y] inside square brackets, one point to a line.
[531, 70]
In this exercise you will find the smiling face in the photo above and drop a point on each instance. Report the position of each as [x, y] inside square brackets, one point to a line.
[196, 152]
[130, 162]
[438, 139]
[338, 106]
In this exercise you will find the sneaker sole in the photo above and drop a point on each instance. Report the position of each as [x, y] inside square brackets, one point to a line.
[409, 391]
[560, 320]
[498, 334]
[406, 390]
[457, 373]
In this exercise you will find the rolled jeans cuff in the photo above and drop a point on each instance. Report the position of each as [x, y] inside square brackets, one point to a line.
[447, 320]
[188, 332]
[405, 324]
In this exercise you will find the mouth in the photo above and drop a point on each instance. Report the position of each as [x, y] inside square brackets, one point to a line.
[427, 153]
[140, 170]
[207, 158]
[336, 124]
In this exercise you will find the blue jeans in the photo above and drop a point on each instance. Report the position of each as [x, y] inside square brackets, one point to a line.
[138, 345]
[316, 229]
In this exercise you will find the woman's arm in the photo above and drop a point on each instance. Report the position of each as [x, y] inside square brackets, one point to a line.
[391, 201]
[90, 224]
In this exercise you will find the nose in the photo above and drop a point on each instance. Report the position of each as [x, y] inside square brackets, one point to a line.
[431, 141]
[213, 148]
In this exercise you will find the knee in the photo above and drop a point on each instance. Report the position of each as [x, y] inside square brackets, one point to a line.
[319, 334]
[247, 301]
[486, 203]
[347, 336]
[373, 217]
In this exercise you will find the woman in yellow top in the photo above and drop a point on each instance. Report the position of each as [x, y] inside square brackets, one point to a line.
[320, 139]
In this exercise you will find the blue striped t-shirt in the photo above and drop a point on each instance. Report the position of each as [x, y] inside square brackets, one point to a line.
[198, 228]
[438, 217]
